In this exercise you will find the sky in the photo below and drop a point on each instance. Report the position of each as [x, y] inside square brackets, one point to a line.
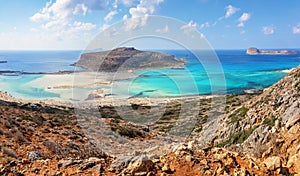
[72, 24]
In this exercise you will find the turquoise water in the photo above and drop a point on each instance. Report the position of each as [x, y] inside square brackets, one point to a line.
[238, 72]
[233, 72]
[16, 86]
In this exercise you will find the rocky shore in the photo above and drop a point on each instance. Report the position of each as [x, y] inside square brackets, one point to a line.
[251, 135]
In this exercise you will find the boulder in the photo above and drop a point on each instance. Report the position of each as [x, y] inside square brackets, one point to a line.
[273, 162]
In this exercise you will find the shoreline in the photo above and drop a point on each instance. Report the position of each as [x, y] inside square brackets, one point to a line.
[102, 101]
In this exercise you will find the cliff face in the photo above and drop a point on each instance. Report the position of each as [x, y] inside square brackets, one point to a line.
[126, 59]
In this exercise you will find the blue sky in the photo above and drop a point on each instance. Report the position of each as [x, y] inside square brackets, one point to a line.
[71, 24]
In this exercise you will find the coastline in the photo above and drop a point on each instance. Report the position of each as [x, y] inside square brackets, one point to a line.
[55, 82]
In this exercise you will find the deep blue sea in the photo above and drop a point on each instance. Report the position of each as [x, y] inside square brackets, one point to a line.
[232, 72]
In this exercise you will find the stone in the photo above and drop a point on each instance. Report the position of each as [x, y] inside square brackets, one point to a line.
[34, 155]
[189, 158]
[140, 164]
[190, 145]
[294, 162]
[95, 159]
[273, 162]
[86, 166]
[166, 168]
[67, 163]
[121, 162]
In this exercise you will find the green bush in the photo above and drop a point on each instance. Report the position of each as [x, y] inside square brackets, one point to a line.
[238, 138]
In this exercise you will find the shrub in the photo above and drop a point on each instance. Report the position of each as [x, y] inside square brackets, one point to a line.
[237, 114]
[238, 138]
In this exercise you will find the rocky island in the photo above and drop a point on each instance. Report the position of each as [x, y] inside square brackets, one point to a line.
[127, 58]
[255, 51]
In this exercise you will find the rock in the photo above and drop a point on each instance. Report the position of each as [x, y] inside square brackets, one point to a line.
[34, 155]
[86, 166]
[67, 163]
[9, 152]
[166, 168]
[140, 164]
[190, 145]
[189, 158]
[153, 156]
[95, 159]
[121, 162]
[253, 91]
[294, 162]
[277, 124]
[273, 162]
[100, 168]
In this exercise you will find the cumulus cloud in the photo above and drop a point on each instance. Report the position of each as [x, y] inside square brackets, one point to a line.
[230, 10]
[110, 15]
[245, 17]
[268, 30]
[80, 26]
[58, 16]
[163, 30]
[140, 13]
[191, 26]
[296, 29]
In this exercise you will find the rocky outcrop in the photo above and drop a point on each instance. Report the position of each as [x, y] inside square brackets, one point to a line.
[127, 59]
[255, 51]
[265, 127]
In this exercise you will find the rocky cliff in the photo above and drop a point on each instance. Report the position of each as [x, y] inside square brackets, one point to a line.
[127, 59]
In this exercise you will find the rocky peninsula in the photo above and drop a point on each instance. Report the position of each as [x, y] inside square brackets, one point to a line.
[255, 51]
[127, 59]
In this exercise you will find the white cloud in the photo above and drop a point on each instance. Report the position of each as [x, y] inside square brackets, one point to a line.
[57, 16]
[245, 17]
[80, 9]
[204, 25]
[242, 32]
[230, 10]
[296, 29]
[110, 15]
[268, 30]
[140, 13]
[80, 26]
[127, 2]
[163, 30]
[191, 26]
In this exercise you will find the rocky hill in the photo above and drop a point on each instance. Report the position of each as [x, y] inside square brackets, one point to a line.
[127, 59]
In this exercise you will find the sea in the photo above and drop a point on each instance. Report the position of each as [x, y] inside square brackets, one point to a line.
[224, 72]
